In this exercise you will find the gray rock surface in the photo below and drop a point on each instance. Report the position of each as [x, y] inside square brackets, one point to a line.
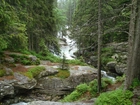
[56, 103]
[6, 89]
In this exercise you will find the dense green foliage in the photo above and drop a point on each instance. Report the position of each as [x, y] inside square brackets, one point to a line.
[83, 88]
[115, 23]
[29, 25]
[117, 97]
[25, 59]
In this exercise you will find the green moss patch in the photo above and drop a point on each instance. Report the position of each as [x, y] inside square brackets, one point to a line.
[61, 74]
[2, 73]
[33, 72]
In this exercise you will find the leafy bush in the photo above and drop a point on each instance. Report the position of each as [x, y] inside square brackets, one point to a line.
[33, 72]
[117, 97]
[83, 88]
[72, 97]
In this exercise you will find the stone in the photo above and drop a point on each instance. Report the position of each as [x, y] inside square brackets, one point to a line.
[24, 82]
[57, 103]
[8, 71]
[120, 68]
[111, 66]
[49, 71]
[33, 58]
[9, 60]
[6, 89]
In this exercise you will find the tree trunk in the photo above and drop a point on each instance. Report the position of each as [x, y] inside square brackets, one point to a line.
[99, 45]
[133, 68]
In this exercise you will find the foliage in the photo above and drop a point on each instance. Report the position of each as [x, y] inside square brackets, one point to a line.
[107, 52]
[33, 72]
[83, 88]
[24, 59]
[120, 78]
[116, 97]
[2, 73]
[135, 83]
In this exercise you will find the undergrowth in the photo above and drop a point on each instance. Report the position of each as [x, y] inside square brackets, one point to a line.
[86, 88]
[116, 97]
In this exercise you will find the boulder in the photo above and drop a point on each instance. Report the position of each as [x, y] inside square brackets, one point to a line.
[53, 86]
[49, 71]
[111, 66]
[6, 89]
[120, 68]
[93, 60]
[9, 60]
[24, 82]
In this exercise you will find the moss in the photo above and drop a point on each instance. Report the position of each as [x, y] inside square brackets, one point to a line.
[61, 74]
[33, 72]
[2, 73]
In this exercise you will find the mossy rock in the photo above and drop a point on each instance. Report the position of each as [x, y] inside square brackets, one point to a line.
[2, 73]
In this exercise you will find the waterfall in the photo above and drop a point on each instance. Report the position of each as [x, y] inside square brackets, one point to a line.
[67, 46]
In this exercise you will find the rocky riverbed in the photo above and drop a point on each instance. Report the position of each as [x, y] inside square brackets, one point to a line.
[22, 88]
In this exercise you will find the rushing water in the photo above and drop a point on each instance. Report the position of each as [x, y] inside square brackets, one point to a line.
[67, 47]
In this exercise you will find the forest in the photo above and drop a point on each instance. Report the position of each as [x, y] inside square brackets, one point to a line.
[107, 37]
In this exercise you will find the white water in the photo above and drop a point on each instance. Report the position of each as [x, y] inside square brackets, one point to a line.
[106, 76]
[68, 51]
[67, 48]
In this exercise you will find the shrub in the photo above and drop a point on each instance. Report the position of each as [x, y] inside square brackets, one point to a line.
[117, 97]
[82, 88]
[72, 97]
